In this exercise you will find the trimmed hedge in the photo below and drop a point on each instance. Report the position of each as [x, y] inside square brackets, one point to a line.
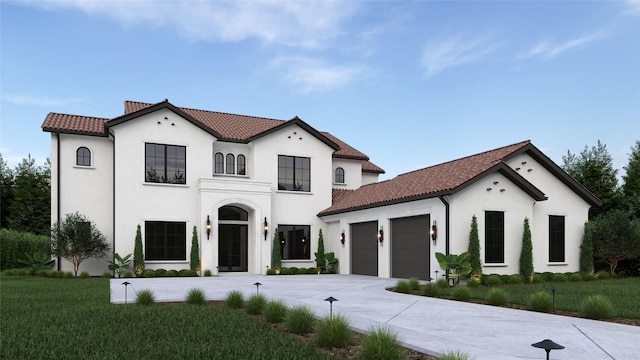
[14, 245]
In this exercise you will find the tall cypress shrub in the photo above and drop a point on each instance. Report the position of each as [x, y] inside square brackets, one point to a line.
[138, 256]
[195, 251]
[586, 250]
[526, 254]
[320, 262]
[276, 256]
[474, 250]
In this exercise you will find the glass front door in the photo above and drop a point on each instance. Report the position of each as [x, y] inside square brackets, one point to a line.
[232, 247]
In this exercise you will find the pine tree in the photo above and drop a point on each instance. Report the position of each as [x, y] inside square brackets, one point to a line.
[138, 256]
[526, 254]
[195, 251]
[474, 250]
[320, 262]
[30, 208]
[276, 256]
[586, 250]
[631, 181]
[6, 193]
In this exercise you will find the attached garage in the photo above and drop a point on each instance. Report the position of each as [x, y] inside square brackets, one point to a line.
[364, 248]
[410, 247]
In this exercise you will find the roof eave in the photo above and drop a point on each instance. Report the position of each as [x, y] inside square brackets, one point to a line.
[301, 123]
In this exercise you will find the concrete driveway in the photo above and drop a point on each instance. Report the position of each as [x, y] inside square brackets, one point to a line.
[429, 325]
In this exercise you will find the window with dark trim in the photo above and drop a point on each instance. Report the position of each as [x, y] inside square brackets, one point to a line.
[294, 241]
[165, 240]
[556, 238]
[494, 237]
[242, 165]
[231, 164]
[165, 163]
[339, 176]
[219, 163]
[83, 156]
[294, 173]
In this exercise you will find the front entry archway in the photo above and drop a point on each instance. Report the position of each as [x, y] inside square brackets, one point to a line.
[233, 239]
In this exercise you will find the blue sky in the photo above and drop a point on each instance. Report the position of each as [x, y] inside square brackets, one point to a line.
[409, 83]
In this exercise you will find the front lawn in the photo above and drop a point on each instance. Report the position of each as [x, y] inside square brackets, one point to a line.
[45, 318]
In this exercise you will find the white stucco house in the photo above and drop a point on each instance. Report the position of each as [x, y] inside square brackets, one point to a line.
[238, 178]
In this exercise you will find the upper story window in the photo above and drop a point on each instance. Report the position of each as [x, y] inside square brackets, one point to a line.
[339, 176]
[83, 156]
[165, 163]
[231, 164]
[556, 238]
[294, 173]
[242, 165]
[494, 237]
[219, 163]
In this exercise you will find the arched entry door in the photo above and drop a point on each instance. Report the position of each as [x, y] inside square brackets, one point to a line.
[232, 239]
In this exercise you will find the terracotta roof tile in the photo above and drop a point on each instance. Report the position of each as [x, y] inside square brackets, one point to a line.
[75, 124]
[339, 194]
[368, 166]
[346, 151]
[433, 180]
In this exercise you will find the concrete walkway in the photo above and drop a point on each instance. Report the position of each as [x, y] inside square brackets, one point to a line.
[429, 325]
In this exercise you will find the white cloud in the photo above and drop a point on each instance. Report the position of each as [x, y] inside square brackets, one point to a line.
[306, 24]
[548, 49]
[31, 100]
[309, 75]
[455, 51]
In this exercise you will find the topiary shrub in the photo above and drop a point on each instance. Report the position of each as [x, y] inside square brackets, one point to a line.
[381, 343]
[145, 297]
[149, 273]
[171, 273]
[538, 278]
[517, 279]
[274, 311]
[196, 296]
[403, 286]
[286, 271]
[461, 293]
[526, 253]
[575, 277]
[541, 301]
[597, 307]
[301, 271]
[186, 273]
[548, 276]
[207, 273]
[333, 331]
[255, 303]
[312, 270]
[560, 278]
[160, 272]
[497, 296]
[235, 299]
[299, 320]
[492, 280]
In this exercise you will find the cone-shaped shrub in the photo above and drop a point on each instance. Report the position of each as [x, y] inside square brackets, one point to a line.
[474, 250]
[526, 253]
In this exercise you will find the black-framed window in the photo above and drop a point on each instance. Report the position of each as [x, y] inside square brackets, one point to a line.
[242, 165]
[165, 163]
[339, 176]
[494, 237]
[165, 240]
[294, 241]
[294, 173]
[83, 156]
[219, 163]
[231, 164]
[556, 238]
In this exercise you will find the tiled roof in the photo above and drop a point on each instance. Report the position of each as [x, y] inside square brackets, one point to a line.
[339, 194]
[424, 183]
[75, 124]
[369, 167]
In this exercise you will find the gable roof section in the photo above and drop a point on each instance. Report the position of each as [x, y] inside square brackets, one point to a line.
[450, 177]
[74, 124]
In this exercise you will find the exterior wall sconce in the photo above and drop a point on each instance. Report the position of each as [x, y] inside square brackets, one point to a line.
[381, 235]
[208, 227]
[434, 232]
[266, 228]
[342, 237]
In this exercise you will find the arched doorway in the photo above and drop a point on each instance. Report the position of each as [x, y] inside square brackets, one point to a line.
[232, 239]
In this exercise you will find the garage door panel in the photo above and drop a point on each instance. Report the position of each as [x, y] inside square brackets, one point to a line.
[410, 248]
[364, 248]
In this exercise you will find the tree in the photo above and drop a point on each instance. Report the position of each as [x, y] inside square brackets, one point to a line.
[474, 250]
[594, 169]
[320, 262]
[615, 237]
[276, 256]
[586, 249]
[631, 181]
[195, 251]
[77, 239]
[138, 256]
[30, 207]
[526, 253]
[6, 195]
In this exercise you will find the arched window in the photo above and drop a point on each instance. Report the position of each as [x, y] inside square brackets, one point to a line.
[339, 179]
[231, 164]
[219, 163]
[242, 165]
[83, 156]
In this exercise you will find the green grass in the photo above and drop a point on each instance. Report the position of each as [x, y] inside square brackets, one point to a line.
[44, 318]
[381, 343]
[333, 331]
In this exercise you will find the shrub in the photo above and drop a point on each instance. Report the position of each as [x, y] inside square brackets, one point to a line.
[84, 275]
[548, 276]
[381, 343]
[333, 332]
[14, 244]
[149, 273]
[474, 282]
[516, 279]
[461, 293]
[160, 272]
[603, 275]
[403, 286]
[186, 273]
[442, 283]
[145, 297]
[575, 277]
[588, 276]
[255, 303]
[196, 296]
[597, 307]
[541, 301]
[560, 278]
[106, 275]
[497, 296]
[526, 253]
[207, 273]
[235, 299]
[430, 290]
[59, 274]
[492, 280]
[538, 278]
[171, 273]
[67, 274]
[299, 320]
[274, 311]
[286, 271]
[128, 274]
[302, 271]
[414, 283]
[454, 355]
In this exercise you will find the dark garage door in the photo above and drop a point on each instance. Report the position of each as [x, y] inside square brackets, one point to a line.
[364, 248]
[410, 247]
